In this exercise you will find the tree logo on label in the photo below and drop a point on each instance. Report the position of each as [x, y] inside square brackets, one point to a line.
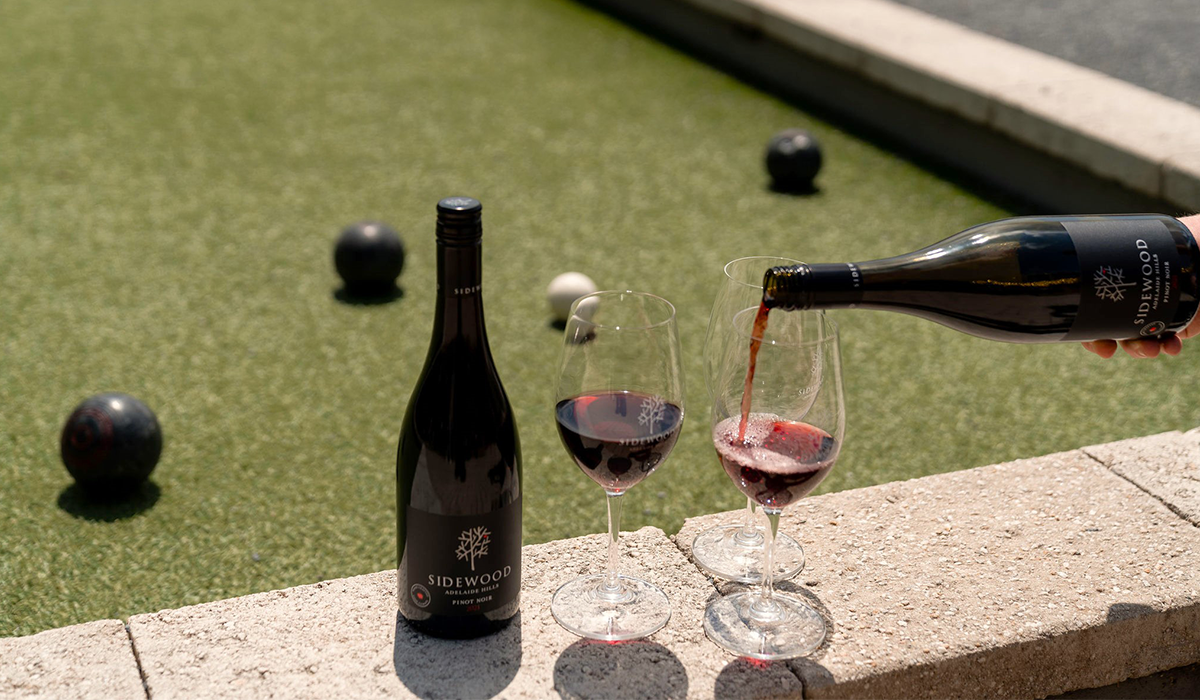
[654, 410]
[1110, 283]
[472, 543]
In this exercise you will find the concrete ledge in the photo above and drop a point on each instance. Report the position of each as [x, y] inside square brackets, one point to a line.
[1015, 580]
[1166, 466]
[1026, 579]
[343, 639]
[93, 661]
[1114, 129]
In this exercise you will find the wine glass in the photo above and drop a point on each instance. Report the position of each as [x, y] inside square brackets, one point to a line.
[776, 452]
[734, 551]
[619, 408]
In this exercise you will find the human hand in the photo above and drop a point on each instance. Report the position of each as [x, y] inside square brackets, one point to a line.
[1146, 347]
[1151, 347]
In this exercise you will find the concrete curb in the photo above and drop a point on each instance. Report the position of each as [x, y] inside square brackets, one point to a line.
[1025, 579]
[1166, 466]
[343, 638]
[92, 660]
[1145, 141]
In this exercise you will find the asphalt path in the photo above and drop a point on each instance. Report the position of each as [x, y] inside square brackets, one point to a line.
[1151, 43]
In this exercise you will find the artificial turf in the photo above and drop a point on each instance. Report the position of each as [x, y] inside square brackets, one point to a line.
[172, 178]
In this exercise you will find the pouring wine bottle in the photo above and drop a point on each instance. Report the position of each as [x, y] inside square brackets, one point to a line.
[1022, 280]
[458, 467]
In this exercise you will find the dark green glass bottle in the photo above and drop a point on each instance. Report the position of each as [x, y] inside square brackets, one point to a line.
[1022, 280]
[458, 467]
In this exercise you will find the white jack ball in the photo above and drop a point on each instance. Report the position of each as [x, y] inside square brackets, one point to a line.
[565, 289]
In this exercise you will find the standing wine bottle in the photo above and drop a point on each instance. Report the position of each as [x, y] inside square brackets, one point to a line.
[458, 467]
[1022, 280]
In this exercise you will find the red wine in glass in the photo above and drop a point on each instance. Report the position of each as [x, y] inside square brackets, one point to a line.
[774, 461]
[618, 437]
[756, 336]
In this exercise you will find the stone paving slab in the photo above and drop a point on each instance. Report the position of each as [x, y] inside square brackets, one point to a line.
[1117, 130]
[1166, 466]
[92, 661]
[1022, 579]
[343, 639]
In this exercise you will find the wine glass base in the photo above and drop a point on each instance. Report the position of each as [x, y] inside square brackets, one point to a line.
[637, 610]
[786, 629]
[721, 552]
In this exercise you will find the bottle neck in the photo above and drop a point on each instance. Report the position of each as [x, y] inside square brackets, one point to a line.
[459, 314]
[819, 286]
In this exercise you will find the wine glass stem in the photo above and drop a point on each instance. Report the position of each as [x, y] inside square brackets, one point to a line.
[611, 582]
[768, 577]
[748, 529]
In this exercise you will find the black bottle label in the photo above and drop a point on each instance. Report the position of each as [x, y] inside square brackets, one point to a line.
[463, 564]
[1126, 268]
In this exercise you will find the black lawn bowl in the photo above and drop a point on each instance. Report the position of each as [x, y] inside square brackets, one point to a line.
[793, 160]
[368, 257]
[110, 444]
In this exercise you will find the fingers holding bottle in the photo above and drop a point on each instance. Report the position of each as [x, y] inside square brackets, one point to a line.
[1103, 348]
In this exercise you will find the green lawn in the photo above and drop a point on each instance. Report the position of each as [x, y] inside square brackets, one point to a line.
[173, 175]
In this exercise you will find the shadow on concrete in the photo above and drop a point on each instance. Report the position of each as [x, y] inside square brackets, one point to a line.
[1176, 684]
[635, 669]
[797, 591]
[752, 673]
[456, 668]
[751, 678]
[1128, 611]
[107, 509]
[370, 297]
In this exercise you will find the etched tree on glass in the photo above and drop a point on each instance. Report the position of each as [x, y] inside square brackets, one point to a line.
[473, 543]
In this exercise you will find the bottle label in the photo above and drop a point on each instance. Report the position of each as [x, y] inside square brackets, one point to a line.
[463, 564]
[1126, 267]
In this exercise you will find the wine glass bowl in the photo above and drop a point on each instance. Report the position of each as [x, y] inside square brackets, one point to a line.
[734, 551]
[618, 437]
[776, 450]
[619, 410]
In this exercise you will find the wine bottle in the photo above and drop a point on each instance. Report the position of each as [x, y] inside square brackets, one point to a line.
[1022, 280]
[458, 467]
